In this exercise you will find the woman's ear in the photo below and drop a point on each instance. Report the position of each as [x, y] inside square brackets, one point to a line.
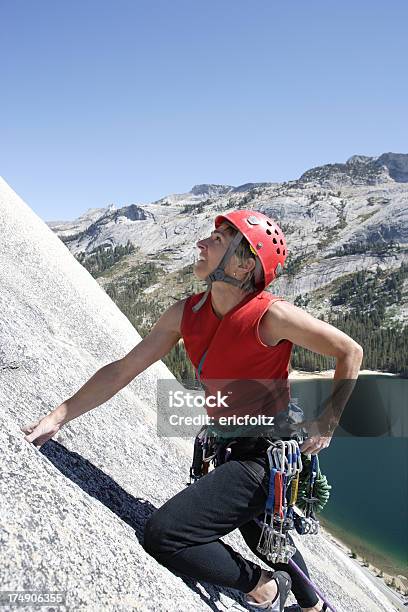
[249, 264]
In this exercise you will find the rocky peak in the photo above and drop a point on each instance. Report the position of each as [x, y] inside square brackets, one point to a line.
[131, 212]
[211, 190]
[397, 165]
[249, 186]
[361, 170]
[359, 159]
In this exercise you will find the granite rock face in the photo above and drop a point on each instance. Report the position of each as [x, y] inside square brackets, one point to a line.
[73, 512]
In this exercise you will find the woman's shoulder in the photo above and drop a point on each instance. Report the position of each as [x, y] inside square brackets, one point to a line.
[271, 298]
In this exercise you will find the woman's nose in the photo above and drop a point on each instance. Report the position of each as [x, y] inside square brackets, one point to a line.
[201, 243]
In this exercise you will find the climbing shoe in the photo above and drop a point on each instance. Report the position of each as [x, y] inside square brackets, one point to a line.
[284, 583]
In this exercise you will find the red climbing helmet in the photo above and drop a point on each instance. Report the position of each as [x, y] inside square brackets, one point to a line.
[265, 237]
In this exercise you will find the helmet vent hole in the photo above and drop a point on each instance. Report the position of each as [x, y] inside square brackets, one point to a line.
[276, 232]
[269, 223]
[268, 231]
[281, 241]
[284, 252]
[275, 241]
[278, 251]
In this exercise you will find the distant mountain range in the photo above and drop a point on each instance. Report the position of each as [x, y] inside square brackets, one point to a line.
[338, 219]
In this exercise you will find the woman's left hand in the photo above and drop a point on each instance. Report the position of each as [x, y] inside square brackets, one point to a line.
[319, 435]
[314, 444]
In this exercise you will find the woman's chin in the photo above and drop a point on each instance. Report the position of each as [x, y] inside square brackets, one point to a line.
[198, 271]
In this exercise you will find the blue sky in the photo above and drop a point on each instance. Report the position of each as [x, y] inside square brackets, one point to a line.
[125, 101]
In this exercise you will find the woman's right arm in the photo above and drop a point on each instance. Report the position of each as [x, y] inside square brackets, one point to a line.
[110, 379]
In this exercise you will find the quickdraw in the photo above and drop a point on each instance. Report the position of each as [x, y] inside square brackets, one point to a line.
[285, 465]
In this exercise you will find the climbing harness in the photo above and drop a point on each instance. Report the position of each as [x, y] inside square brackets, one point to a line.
[208, 448]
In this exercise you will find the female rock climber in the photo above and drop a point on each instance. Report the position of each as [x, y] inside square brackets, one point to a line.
[234, 330]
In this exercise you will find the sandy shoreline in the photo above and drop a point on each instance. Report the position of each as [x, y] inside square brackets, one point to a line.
[397, 584]
[301, 374]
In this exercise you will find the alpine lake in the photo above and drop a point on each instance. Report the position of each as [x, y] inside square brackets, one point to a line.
[366, 465]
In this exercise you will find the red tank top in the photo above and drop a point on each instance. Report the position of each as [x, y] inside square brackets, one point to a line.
[229, 350]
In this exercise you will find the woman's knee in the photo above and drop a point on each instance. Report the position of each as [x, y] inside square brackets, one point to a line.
[157, 534]
[152, 535]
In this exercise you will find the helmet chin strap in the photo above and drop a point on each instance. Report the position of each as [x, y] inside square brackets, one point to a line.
[219, 273]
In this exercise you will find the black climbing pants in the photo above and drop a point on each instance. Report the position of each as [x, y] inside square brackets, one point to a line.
[184, 534]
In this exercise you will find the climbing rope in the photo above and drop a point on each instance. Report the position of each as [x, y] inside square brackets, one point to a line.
[313, 486]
